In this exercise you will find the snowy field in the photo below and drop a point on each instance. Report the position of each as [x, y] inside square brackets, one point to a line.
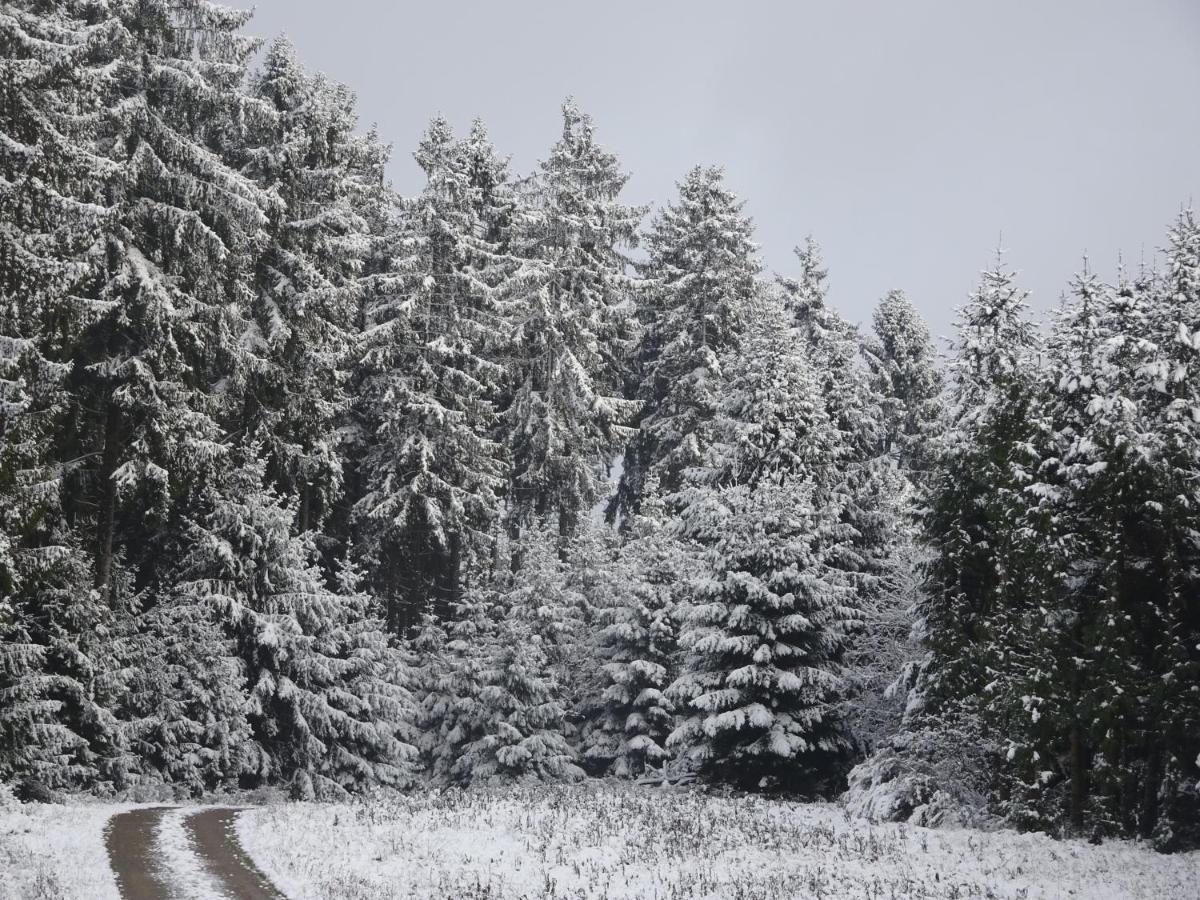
[593, 842]
[608, 842]
[55, 852]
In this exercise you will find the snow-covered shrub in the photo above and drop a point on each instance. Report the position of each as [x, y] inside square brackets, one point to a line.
[936, 776]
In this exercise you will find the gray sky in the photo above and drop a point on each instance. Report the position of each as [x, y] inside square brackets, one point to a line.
[906, 135]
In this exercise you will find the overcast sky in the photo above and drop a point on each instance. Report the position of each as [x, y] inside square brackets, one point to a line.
[905, 135]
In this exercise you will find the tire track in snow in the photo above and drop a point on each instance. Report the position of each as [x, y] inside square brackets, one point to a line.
[191, 876]
[131, 840]
[177, 853]
[214, 836]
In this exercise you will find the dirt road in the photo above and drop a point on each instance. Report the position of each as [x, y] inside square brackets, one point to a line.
[218, 846]
[143, 874]
[130, 839]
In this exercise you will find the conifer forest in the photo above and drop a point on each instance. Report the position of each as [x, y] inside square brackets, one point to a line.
[310, 487]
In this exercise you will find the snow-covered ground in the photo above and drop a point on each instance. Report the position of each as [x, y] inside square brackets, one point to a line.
[592, 841]
[610, 842]
[55, 852]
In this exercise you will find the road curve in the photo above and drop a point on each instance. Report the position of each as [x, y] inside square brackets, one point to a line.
[130, 838]
[223, 856]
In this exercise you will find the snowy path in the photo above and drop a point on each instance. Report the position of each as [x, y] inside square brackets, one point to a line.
[213, 834]
[130, 839]
[168, 853]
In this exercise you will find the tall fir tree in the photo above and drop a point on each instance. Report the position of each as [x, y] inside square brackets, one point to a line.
[976, 594]
[328, 703]
[431, 472]
[569, 327]
[769, 618]
[173, 284]
[905, 372]
[310, 277]
[56, 87]
[700, 281]
[627, 715]
[1170, 627]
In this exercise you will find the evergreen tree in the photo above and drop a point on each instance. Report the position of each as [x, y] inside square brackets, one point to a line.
[523, 727]
[451, 679]
[770, 617]
[55, 88]
[905, 372]
[1168, 628]
[183, 697]
[431, 472]
[978, 588]
[310, 277]
[627, 725]
[701, 279]
[328, 706]
[565, 420]
[857, 478]
[174, 280]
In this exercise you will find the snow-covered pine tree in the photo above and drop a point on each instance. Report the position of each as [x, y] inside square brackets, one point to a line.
[449, 676]
[1170, 625]
[329, 707]
[770, 616]
[976, 590]
[905, 372]
[1078, 434]
[309, 279]
[522, 725]
[860, 479]
[566, 418]
[430, 472]
[55, 89]
[627, 724]
[175, 279]
[857, 479]
[700, 280]
[182, 703]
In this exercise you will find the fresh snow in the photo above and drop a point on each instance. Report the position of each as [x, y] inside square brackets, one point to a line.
[57, 852]
[53, 852]
[603, 841]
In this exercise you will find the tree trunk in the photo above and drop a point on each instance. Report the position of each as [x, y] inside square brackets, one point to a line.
[107, 515]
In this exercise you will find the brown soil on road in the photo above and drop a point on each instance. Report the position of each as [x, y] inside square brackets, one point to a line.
[223, 855]
[129, 838]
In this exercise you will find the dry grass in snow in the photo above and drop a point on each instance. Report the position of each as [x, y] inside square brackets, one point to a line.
[600, 841]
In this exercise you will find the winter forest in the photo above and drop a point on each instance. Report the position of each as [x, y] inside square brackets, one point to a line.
[308, 485]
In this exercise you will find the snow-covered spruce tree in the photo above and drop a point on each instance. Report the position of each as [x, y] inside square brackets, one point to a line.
[309, 276]
[522, 726]
[943, 766]
[905, 372]
[627, 724]
[1078, 439]
[175, 278]
[182, 704]
[55, 86]
[328, 707]
[449, 677]
[770, 616]
[430, 472]
[860, 479]
[1169, 632]
[976, 496]
[568, 324]
[700, 280]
